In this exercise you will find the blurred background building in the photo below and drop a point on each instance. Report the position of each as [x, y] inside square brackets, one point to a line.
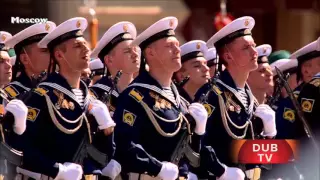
[285, 24]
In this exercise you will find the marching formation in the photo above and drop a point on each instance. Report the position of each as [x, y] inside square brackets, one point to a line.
[147, 107]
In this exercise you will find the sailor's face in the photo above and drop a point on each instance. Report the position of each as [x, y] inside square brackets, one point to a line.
[77, 53]
[197, 69]
[261, 78]
[126, 57]
[212, 70]
[5, 68]
[39, 58]
[243, 53]
[168, 53]
[310, 68]
[85, 73]
[85, 76]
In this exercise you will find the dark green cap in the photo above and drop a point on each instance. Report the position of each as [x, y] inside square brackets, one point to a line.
[11, 52]
[281, 54]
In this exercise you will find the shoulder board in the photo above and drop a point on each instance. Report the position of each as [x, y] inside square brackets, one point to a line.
[317, 75]
[41, 91]
[135, 94]
[11, 91]
[2, 111]
[315, 82]
[216, 89]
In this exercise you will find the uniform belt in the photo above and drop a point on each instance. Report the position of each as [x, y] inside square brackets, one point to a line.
[24, 174]
[137, 176]
[90, 177]
[97, 155]
[11, 155]
[253, 174]
[25, 177]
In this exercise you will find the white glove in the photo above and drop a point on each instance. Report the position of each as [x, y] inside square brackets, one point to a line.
[200, 115]
[231, 173]
[102, 115]
[20, 112]
[69, 171]
[192, 176]
[112, 170]
[267, 115]
[169, 171]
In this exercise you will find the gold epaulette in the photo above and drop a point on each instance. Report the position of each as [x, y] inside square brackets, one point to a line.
[11, 91]
[135, 94]
[41, 91]
[216, 90]
[315, 82]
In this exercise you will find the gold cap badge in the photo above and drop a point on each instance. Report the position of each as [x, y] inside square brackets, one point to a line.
[171, 23]
[198, 45]
[78, 24]
[125, 28]
[246, 22]
[47, 27]
[3, 37]
[264, 50]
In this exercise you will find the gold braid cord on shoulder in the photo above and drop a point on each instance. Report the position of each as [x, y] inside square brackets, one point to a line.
[225, 119]
[4, 95]
[151, 115]
[52, 110]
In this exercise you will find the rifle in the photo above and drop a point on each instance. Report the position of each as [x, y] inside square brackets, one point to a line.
[300, 114]
[81, 151]
[107, 96]
[277, 92]
[183, 82]
[183, 148]
[204, 97]
[297, 107]
[11, 155]
[307, 128]
[24, 96]
[212, 81]
[36, 80]
[85, 148]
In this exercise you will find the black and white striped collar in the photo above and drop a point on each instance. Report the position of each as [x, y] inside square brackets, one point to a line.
[56, 81]
[105, 84]
[146, 81]
[227, 82]
[23, 81]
